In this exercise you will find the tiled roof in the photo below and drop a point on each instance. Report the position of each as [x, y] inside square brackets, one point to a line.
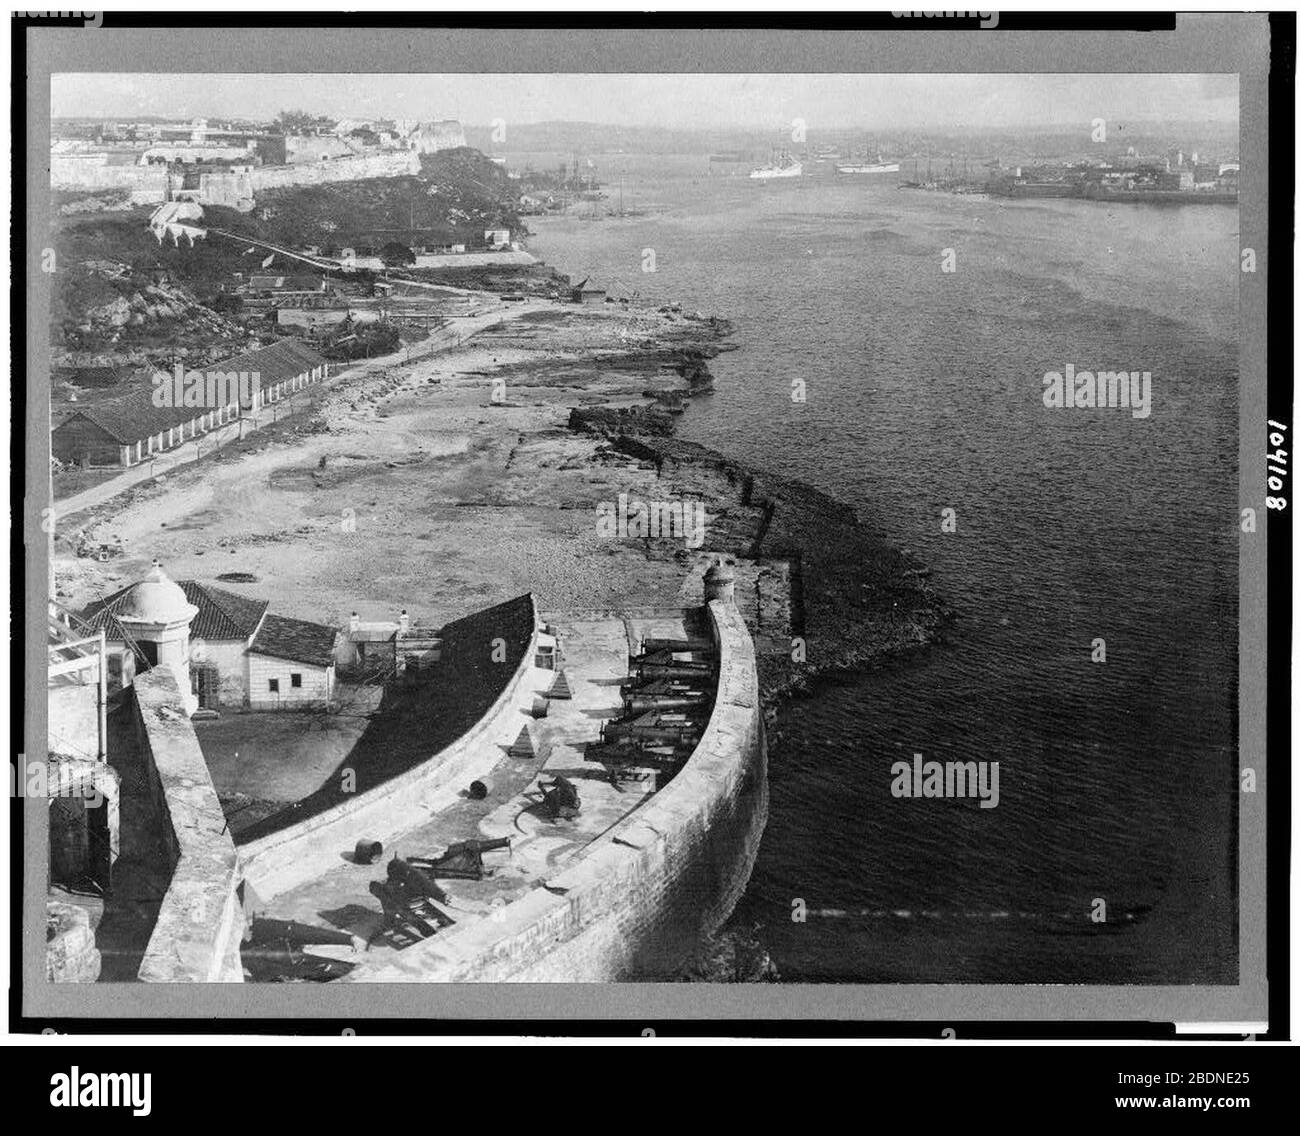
[93, 376]
[134, 416]
[296, 640]
[222, 615]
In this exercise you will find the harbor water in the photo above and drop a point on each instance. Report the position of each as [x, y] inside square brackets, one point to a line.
[1068, 526]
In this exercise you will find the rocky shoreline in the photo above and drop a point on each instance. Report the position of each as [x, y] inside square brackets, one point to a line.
[854, 598]
[855, 601]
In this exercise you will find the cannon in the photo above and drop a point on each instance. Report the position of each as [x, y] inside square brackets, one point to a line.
[643, 703]
[673, 686]
[690, 671]
[561, 798]
[461, 861]
[264, 931]
[663, 726]
[269, 963]
[397, 903]
[651, 644]
[668, 659]
[650, 756]
[686, 736]
[414, 879]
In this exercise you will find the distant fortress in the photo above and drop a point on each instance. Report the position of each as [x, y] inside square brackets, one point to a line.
[153, 173]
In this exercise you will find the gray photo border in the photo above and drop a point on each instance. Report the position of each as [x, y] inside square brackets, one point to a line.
[1201, 43]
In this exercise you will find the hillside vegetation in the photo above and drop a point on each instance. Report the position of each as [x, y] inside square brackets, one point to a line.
[121, 297]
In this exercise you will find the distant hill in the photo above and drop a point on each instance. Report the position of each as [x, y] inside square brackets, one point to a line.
[120, 296]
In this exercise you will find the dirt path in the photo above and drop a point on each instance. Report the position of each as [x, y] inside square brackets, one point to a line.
[455, 333]
[438, 485]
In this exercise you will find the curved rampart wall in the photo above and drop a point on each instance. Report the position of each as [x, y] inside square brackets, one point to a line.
[281, 860]
[643, 893]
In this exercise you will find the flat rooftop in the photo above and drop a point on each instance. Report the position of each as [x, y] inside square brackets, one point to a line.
[595, 661]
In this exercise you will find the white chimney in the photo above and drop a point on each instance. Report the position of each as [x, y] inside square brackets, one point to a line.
[403, 623]
[354, 622]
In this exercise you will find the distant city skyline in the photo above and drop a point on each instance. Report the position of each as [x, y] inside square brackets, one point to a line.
[677, 102]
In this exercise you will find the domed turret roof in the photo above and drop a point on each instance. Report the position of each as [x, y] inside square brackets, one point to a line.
[719, 570]
[157, 599]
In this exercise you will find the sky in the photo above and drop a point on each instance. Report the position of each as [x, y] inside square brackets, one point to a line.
[756, 102]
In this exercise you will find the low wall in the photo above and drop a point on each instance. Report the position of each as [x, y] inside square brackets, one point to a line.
[226, 187]
[394, 163]
[637, 898]
[68, 172]
[505, 257]
[281, 860]
[200, 923]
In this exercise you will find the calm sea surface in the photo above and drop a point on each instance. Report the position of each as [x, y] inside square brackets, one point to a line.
[1117, 780]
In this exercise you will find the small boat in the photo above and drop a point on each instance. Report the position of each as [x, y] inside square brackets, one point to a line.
[876, 167]
[781, 166]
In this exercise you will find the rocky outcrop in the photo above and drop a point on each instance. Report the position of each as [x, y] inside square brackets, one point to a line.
[70, 952]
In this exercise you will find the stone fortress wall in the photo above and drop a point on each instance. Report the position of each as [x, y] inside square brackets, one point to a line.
[235, 187]
[651, 885]
[635, 898]
[200, 924]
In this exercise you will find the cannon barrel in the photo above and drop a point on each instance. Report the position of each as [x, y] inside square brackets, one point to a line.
[615, 731]
[460, 861]
[672, 686]
[443, 871]
[477, 846]
[655, 757]
[671, 670]
[267, 963]
[653, 644]
[263, 930]
[689, 666]
[640, 703]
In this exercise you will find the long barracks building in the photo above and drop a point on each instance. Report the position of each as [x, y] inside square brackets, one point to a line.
[130, 429]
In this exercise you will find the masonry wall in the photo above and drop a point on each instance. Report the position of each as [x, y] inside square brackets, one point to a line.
[387, 164]
[74, 718]
[315, 688]
[315, 148]
[146, 182]
[641, 895]
[231, 664]
[234, 189]
[200, 922]
[152, 183]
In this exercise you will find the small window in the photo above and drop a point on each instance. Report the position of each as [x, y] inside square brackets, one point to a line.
[295, 680]
[274, 684]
